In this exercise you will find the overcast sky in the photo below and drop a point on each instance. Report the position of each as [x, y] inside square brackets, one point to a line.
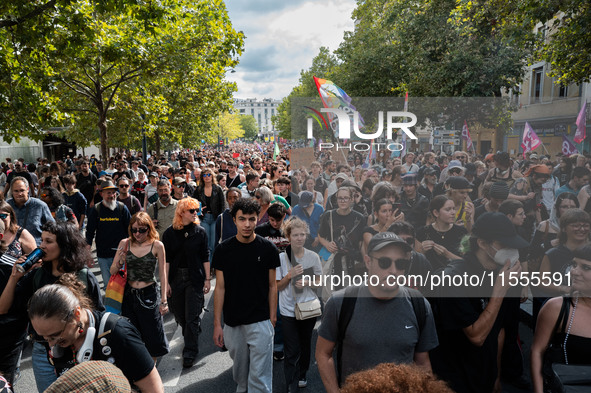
[282, 38]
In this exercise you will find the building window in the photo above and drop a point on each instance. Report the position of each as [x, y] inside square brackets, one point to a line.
[537, 81]
[563, 90]
[242, 111]
[252, 112]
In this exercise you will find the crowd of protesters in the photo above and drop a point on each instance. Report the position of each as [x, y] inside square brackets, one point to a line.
[266, 231]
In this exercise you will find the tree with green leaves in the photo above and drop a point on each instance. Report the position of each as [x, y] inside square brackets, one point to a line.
[128, 66]
[249, 125]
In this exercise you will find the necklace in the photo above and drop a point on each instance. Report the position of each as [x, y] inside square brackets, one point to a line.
[570, 324]
[440, 233]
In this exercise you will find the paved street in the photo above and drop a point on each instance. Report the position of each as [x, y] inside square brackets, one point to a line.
[212, 371]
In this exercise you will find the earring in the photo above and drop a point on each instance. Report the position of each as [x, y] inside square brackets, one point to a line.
[80, 328]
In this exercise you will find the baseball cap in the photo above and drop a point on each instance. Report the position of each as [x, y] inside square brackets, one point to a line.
[430, 171]
[306, 198]
[153, 174]
[341, 176]
[494, 226]
[458, 183]
[178, 180]
[455, 164]
[383, 239]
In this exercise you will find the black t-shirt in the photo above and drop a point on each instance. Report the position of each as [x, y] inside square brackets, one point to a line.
[467, 367]
[123, 347]
[86, 185]
[246, 269]
[347, 231]
[450, 240]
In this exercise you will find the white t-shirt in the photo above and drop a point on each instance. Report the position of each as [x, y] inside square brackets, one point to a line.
[286, 296]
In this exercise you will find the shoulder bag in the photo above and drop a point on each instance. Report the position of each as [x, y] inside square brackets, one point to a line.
[303, 310]
[116, 287]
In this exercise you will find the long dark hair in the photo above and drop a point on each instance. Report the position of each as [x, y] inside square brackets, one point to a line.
[74, 253]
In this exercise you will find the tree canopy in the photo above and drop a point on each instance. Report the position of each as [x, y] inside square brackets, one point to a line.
[110, 69]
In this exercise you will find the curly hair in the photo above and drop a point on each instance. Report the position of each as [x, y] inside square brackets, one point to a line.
[74, 254]
[183, 205]
[144, 220]
[394, 378]
[55, 197]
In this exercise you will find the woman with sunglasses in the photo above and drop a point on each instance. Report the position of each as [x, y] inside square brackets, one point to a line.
[187, 255]
[17, 240]
[440, 241]
[142, 303]
[213, 203]
[575, 226]
[65, 252]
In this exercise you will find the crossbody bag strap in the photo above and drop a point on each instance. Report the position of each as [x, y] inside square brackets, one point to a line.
[331, 233]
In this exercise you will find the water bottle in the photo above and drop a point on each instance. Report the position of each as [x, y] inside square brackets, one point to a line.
[32, 259]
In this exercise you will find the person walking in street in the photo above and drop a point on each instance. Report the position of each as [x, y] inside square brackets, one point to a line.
[187, 257]
[247, 294]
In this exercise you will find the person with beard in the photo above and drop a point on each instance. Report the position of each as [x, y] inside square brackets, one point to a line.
[162, 211]
[132, 203]
[109, 220]
[428, 183]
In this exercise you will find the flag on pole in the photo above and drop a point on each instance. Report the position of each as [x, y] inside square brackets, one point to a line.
[333, 96]
[276, 151]
[466, 136]
[406, 102]
[530, 139]
[568, 148]
[581, 124]
[259, 147]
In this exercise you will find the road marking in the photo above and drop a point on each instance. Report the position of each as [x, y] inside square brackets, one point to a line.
[171, 365]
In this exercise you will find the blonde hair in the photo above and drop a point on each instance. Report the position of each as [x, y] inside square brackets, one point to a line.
[183, 205]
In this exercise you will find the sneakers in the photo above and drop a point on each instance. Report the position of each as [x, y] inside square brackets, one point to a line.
[302, 383]
[278, 356]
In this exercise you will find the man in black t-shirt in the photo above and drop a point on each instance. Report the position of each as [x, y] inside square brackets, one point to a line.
[246, 291]
[86, 182]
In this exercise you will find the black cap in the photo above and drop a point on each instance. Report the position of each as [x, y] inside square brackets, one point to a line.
[458, 183]
[382, 239]
[493, 226]
[430, 171]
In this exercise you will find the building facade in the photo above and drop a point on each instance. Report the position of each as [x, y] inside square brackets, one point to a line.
[262, 111]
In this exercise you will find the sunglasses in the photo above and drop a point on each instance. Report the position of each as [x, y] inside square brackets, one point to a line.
[385, 263]
[192, 211]
[3, 216]
[43, 195]
[124, 186]
[206, 174]
[140, 230]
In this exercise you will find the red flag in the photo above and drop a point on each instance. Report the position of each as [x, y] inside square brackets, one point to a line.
[466, 136]
[581, 124]
[530, 139]
[567, 147]
[235, 155]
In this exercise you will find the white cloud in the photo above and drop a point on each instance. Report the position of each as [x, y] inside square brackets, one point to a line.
[281, 40]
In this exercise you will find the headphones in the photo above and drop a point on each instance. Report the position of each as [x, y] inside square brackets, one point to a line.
[87, 348]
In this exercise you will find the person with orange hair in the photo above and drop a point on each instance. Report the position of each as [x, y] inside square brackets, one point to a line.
[187, 257]
[142, 303]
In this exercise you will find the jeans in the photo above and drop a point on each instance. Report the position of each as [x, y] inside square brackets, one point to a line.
[208, 223]
[251, 348]
[297, 337]
[105, 265]
[186, 303]
[43, 370]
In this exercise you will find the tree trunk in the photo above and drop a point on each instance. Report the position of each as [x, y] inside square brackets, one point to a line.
[102, 125]
[157, 143]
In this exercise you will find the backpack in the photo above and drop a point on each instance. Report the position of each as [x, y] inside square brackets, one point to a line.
[348, 307]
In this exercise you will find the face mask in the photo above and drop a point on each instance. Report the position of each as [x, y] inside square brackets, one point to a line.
[503, 254]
